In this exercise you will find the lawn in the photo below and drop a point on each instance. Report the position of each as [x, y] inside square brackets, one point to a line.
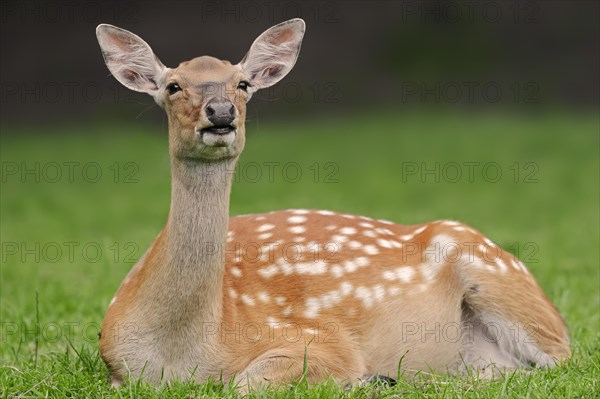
[80, 204]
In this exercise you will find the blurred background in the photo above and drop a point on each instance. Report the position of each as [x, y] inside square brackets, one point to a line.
[357, 55]
[484, 112]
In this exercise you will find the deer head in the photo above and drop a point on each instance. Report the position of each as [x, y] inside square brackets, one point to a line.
[204, 98]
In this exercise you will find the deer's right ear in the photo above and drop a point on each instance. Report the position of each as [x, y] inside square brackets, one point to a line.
[130, 59]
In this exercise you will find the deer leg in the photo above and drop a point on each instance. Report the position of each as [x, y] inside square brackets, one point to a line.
[285, 366]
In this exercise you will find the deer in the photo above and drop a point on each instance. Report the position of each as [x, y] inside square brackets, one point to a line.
[268, 299]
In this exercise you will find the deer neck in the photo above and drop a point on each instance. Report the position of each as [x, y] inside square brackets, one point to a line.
[196, 232]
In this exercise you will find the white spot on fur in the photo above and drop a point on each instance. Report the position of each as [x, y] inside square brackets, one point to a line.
[420, 230]
[265, 236]
[501, 264]
[348, 216]
[385, 221]
[451, 223]
[369, 233]
[519, 265]
[380, 230]
[382, 242]
[297, 229]
[268, 272]
[350, 266]
[312, 307]
[233, 293]
[339, 238]
[354, 245]
[389, 275]
[365, 224]
[489, 242]
[345, 288]
[235, 271]
[337, 271]
[318, 267]
[264, 227]
[364, 294]
[264, 297]
[247, 300]
[405, 273]
[287, 311]
[348, 231]
[393, 291]
[406, 237]
[370, 249]
[237, 257]
[326, 213]
[296, 219]
[285, 267]
[329, 299]
[361, 261]
[300, 211]
[331, 227]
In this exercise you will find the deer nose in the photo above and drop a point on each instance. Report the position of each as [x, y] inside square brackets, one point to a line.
[220, 112]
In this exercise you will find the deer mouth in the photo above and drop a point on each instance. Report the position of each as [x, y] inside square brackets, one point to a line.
[218, 129]
[218, 135]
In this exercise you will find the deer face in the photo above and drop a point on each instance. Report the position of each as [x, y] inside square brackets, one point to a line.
[205, 98]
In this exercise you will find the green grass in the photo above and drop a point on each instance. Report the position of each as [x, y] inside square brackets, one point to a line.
[548, 213]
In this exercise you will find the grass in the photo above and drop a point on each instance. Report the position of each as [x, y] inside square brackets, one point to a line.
[68, 240]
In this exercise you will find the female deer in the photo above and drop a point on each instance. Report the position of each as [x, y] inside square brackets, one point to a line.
[249, 297]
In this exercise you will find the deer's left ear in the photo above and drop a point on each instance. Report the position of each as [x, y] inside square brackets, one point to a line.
[273, 54]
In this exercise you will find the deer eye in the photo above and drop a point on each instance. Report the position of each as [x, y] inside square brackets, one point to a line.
[173, 88]
[243, 85]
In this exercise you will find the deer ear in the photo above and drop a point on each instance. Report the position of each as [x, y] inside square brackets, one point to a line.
[273, 54]
[130, 59]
